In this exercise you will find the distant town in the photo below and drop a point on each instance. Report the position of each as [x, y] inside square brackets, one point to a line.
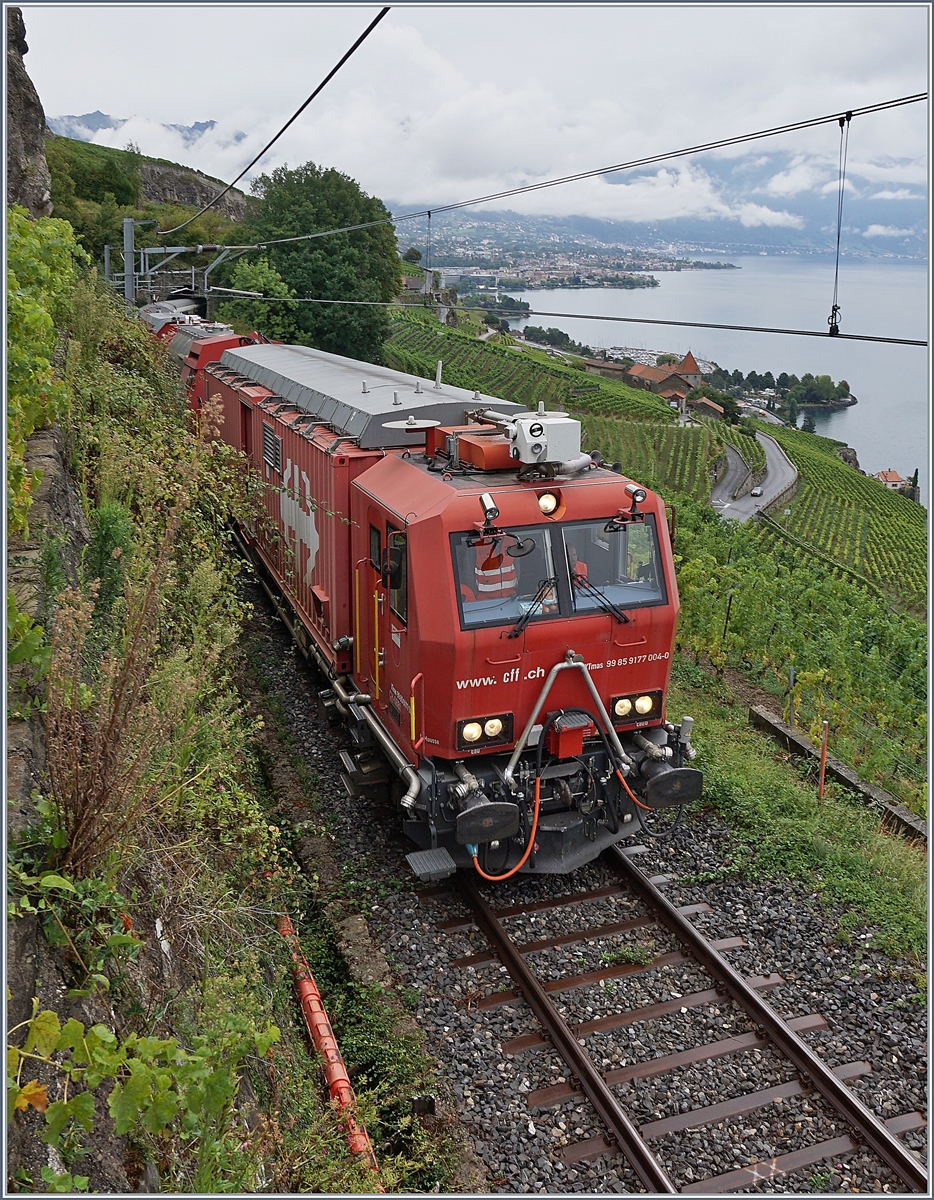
[584, 267]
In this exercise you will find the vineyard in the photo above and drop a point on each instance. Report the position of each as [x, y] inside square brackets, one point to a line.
[859, 665]
[799, 596]
[748, 448]
[415, 346]
[856, 521]
[670, 459]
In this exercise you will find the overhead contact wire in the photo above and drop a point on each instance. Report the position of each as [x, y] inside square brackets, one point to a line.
[506, 312]
[298, 112]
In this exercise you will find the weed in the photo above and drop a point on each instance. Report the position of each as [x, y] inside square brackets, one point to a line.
[639, 952]
[820, 1181]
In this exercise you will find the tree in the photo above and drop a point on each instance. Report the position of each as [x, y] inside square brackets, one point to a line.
[914, 479]
[412, 255]
[362, 265]
[808, 424]
[666, 358]
[277, 321]
[730, 408]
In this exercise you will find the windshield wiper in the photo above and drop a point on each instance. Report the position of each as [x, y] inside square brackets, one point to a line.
[543, 589]
[607, 605]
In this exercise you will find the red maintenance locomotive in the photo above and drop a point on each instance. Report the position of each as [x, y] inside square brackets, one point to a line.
[495, 609]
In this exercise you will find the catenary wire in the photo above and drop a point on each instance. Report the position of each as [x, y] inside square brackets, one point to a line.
[506, 312]
[626, 166]
[324, 82]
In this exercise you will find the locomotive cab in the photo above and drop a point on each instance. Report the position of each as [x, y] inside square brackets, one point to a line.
[495, 610]
[517, 633]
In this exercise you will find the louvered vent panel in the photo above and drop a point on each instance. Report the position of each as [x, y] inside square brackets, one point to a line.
[272, 448]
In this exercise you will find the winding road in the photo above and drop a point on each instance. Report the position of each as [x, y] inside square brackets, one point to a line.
[779, 474]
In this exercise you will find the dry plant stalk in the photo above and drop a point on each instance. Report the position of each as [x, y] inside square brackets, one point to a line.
[105, 743]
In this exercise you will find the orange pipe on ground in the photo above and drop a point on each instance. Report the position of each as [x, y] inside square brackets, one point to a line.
[322, 1036]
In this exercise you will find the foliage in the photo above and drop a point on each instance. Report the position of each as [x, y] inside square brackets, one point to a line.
[557, 338]
[158, 1085]
[95, 187]
[724, 399]
[41, 270]
[738, 436]
[671, 459]
[817, 389]
[865, 665]
[27, 650]
[412, 255]
[84, 171]
[362, 265]
[277, 321]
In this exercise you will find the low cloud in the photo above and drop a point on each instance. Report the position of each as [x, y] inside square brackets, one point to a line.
[897, 194]
[751, 215]
[886, 231]
[802, 175]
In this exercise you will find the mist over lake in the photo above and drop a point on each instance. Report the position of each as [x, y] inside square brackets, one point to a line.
[881, 297]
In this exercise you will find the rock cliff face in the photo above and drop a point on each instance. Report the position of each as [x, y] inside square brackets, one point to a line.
[180, 186]
[28, 180]
[848, 454]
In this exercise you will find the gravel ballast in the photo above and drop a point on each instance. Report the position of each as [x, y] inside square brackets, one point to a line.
[868, 1001]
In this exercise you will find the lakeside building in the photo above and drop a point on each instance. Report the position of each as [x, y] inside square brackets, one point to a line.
[657, 379]
[688, 369]
[891, 479]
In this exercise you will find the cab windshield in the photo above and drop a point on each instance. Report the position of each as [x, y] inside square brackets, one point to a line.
[571, 569]
[494, 588]
[622, 566]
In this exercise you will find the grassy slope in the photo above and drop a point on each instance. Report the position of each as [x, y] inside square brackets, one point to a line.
[779, 827]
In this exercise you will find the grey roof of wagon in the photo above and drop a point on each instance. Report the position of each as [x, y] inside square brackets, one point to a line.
[331, 387]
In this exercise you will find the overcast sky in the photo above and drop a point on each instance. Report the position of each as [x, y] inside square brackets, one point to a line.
[444, 102]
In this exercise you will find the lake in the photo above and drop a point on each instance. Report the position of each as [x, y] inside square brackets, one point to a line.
[882, 297]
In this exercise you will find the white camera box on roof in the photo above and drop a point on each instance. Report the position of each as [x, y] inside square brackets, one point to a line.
[545, 437]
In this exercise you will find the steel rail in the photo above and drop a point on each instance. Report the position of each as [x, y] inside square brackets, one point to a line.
[590, 1079]
[874, 1134]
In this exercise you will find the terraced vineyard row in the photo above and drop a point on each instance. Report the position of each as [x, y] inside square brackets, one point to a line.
[859, 665]
[855, 520]
[749, 449]
[415, 346]
[668, 458]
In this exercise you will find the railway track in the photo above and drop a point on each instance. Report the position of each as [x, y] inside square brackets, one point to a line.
[689, 1068]
[810, 1077]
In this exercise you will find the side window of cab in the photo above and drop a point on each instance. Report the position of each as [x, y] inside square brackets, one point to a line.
[395, 572]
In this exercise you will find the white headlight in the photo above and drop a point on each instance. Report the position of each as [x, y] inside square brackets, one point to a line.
[472, 731]
[548, 503]
[644, 705]
[493, 727]
[623, 707]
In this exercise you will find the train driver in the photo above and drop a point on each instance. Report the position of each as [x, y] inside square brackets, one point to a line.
[576, 566]
[495, 572]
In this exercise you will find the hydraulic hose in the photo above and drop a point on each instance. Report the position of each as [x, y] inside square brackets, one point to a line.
[546, 728]
[528, 849]
[324, 1041]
